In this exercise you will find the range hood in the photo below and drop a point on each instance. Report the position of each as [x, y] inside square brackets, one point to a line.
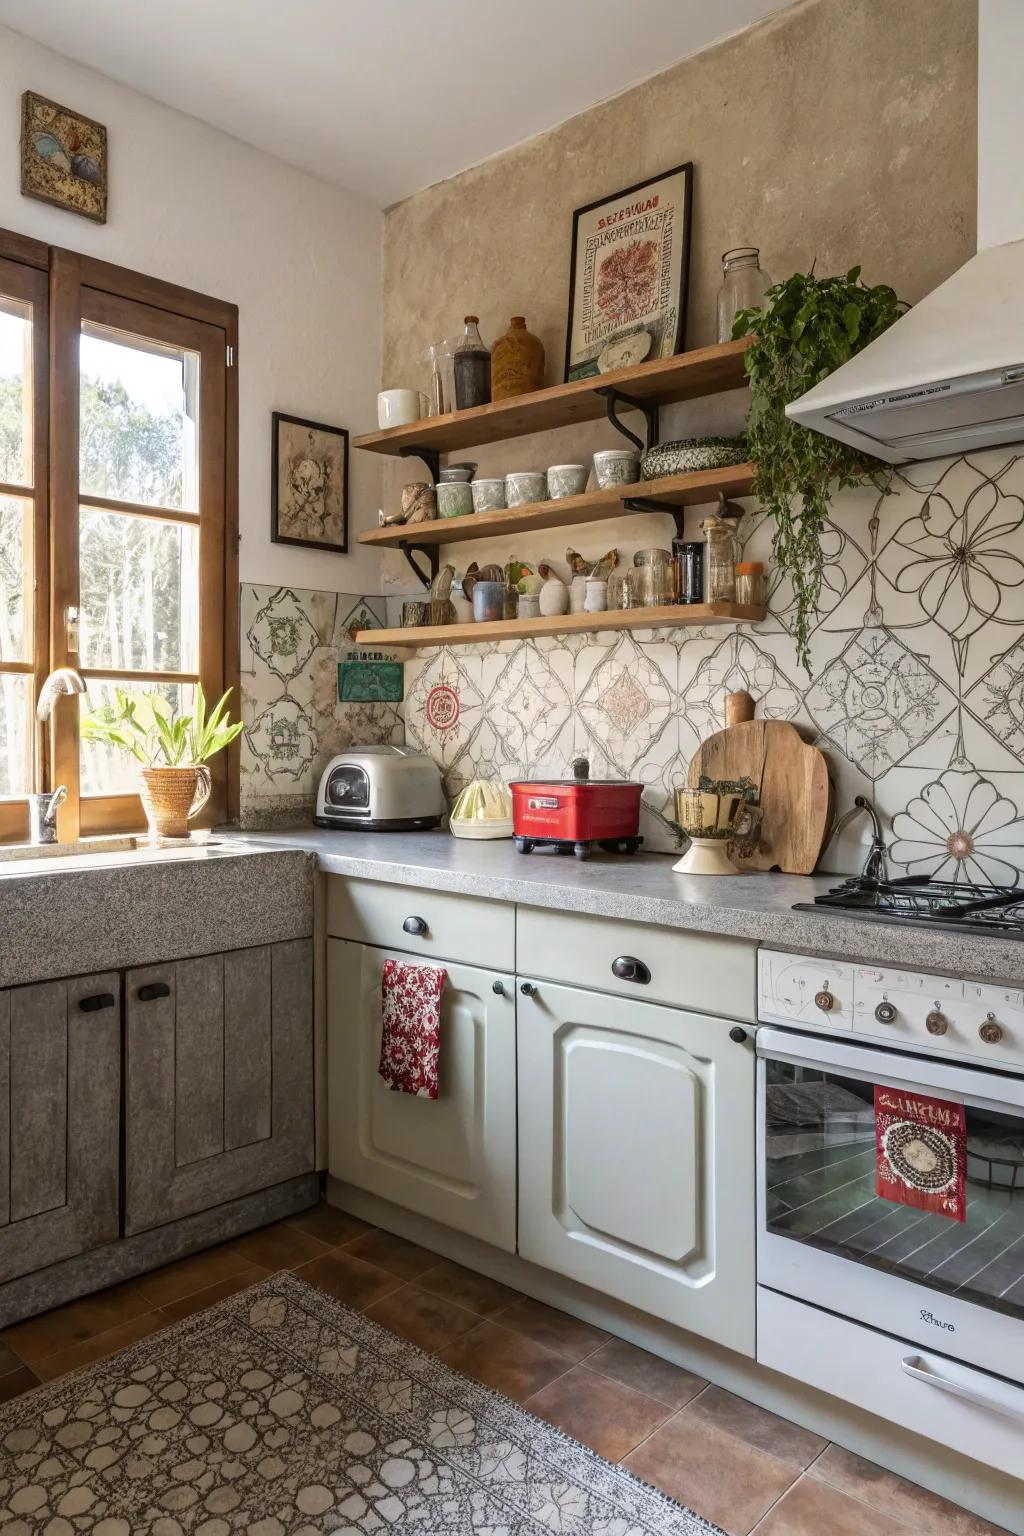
[947, 378]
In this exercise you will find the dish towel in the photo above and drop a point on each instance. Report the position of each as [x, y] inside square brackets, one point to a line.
[410, 1041]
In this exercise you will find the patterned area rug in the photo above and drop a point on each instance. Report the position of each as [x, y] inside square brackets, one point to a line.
[280, 1412]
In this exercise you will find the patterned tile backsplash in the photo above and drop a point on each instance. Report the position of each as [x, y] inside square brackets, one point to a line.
[916, 697]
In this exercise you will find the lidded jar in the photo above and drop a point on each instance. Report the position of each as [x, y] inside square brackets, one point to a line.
[719, 561]
[744, 286]
[517, 361]
[472, 367]
[750, 583]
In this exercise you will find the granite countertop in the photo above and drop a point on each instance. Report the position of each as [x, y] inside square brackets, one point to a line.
[644, 889]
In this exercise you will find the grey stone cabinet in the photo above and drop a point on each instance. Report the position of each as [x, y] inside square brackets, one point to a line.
[218, 1079]
[60, 1088]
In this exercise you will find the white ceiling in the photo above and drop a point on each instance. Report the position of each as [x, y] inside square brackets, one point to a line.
[381, 96]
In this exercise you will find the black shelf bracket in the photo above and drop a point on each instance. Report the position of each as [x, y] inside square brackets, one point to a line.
[616, 397]
[645, 504]
[430, 456]
[432, 553]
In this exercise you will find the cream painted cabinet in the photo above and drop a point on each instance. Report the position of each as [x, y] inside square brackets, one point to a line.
[452, 1158]
[636, 1155]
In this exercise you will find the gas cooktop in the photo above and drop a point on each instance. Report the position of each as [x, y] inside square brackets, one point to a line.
[995, 909]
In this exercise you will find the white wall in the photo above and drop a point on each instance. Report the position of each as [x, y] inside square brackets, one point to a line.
[300, 258]
[1000, 122]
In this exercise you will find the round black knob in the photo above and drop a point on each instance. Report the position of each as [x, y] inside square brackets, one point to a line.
[885, 1012]
[499, 987]
[416, 925]
[737, 1034]
[629, 968]
[527, 988]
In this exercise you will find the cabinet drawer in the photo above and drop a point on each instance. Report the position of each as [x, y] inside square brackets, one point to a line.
[454, 927]
[707, 972]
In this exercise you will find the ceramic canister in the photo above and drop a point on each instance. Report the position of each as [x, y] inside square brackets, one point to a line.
[566, 480]
[616, 466]
[554, 597]
[454, 498]
[596, 599]
[524, 487]
[488, 495]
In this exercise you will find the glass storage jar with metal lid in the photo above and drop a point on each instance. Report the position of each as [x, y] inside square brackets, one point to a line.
[720, 560]
[750, 583]
[744, 286]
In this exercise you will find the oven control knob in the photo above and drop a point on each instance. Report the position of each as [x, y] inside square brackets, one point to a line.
[824, 1000]
[990, 1031]
[936, 1023]
[885, 1013]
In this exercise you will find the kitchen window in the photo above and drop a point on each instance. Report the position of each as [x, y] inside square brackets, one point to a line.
[118, 527]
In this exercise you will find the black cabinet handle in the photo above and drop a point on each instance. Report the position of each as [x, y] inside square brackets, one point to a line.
[152, 990]
[629, 968]
[498, 987]
[97, 1001]
[737, 1034]
[527, 988]
[416, 925]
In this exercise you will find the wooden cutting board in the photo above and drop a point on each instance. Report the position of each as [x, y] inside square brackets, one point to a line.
[792, 778]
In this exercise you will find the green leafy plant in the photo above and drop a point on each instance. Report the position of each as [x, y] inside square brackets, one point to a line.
[157, 736]
[807, 328]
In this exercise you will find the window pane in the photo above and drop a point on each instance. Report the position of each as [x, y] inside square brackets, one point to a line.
[108, 770]
[139, 593]
[15, 392]
[15, 577]
[15, 741]
[139, 420]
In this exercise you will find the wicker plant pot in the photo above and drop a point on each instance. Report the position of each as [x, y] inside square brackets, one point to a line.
[170, 796]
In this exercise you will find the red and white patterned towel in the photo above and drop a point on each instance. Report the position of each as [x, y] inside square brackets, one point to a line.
[410, 1042]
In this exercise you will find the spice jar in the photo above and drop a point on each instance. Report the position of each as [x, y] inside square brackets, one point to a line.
[719, 561]
[750, 583]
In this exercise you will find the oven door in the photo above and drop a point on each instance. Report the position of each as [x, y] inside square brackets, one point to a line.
[826, 1237]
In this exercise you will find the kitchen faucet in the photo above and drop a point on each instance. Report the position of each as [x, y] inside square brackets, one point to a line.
[42, 805]
[876, 866]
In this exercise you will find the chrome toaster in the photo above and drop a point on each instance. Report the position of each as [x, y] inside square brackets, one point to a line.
[380, 789]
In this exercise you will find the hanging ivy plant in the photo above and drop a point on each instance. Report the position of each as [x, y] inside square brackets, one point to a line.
[808, 327]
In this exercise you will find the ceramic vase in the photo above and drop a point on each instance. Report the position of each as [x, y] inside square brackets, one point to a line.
[517, 362]
[554, 597]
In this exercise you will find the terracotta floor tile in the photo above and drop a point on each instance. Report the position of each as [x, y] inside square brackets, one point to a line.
[758, 1427]
[425, 1320]
[196, 1273]
[813, 1508]
[185, 1306]
[393, 1253]
[896, 1496]
[610, 1418]
[646, 1373]
[349, 1279]
[99, 1346]
[556, 1330]
[14, 1383]
[725, 1480]
[327, 1225]
[468, 1289]
[505, 1361]
[279, 1247]
[77, 1321]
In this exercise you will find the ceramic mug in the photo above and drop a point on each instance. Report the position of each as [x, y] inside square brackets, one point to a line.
[400, 407]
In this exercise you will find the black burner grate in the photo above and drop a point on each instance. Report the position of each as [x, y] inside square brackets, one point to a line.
[933, 903]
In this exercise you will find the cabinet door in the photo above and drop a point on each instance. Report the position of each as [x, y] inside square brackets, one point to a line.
[636, 1156]
[60, 1095]
[452, 1158]
[219, 1079]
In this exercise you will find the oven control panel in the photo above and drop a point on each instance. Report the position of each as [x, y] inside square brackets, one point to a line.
[914, 1010]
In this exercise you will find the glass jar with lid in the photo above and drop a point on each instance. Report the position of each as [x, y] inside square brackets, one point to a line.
[719, 561]
[750, 583]
[744, 286]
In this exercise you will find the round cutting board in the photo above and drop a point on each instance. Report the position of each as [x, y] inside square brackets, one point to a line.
[792, 779]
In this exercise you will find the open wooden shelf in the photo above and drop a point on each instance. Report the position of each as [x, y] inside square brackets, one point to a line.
[566, 624]
[707, 371]
[591, 507]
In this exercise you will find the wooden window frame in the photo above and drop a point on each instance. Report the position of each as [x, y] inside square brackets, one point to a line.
[72, 284]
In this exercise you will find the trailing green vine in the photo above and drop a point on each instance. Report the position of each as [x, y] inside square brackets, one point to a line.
[809, 326]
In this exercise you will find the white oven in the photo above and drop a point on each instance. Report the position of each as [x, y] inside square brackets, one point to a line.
[902, 1310]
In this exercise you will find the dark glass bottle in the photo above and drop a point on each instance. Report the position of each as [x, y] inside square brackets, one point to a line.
[472, 368]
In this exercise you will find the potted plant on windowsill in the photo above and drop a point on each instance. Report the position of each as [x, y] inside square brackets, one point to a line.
[172, 751]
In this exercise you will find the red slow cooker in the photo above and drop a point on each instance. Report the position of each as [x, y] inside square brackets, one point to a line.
[575, 814]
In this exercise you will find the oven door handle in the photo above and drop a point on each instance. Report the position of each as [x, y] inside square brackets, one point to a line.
[915, 1366]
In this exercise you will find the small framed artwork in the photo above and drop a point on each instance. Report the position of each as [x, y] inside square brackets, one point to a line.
[628, 276]
[309, 484]
[63, 157]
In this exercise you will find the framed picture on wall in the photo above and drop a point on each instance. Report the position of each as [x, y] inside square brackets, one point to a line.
[628, 276]
[63, 157]
[309, 484]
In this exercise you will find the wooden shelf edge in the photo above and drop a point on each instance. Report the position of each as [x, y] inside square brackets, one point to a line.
[687, 375]
[569, 511]
[690, 616]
